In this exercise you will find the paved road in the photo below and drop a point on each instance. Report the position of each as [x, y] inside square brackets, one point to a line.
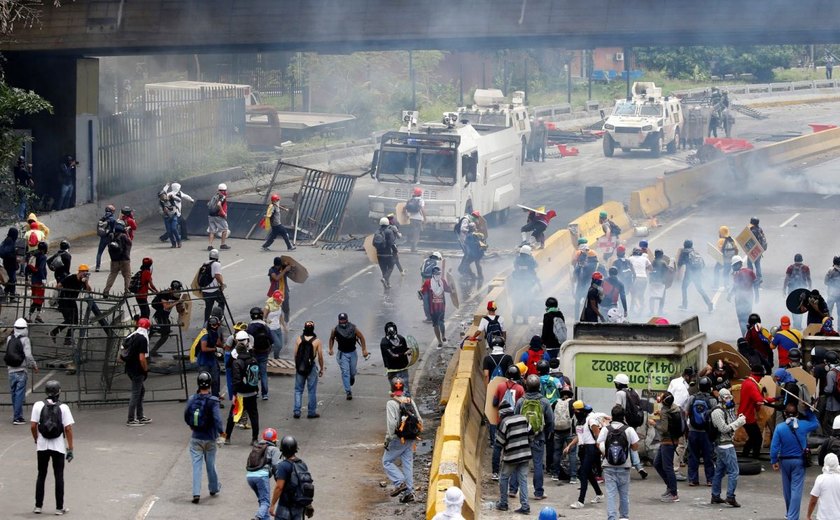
[151, 464]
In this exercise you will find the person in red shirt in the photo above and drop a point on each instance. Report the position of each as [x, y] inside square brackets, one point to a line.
[146, 286]
[127, 216]
[758, 338]
[435, 288]
[744, 283]
[752, 399]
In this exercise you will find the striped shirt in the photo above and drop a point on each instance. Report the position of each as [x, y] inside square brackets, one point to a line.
[513, 437]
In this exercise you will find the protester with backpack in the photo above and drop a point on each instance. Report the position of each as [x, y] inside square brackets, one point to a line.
[790, 455]
[496, 363]
[60, 262]
[832, 389]
[202, 416]
[415, 210]
[700, 407]
[211, 283]
[134, 352]
[119, 249]
[587, 430]
[52, 428]
[208, 347]
[262, 345]
[554, 331]
[37, 273]
[563, 435]
[383, 242]
[513, 438]
[671, 428]
[18, 359]
[68, 295]
[105, 229]
[550, 387]
[540, 416]
[294, 488]
[435, 290]
[510, 392]
[141, 285]
[534, 354]
[426, 273]
[308, 349]
[616, 441]
[217, 224]
[259, 467]
[246, 379]
[633, 410]
[475, 244]
[403, 425]
[728, 249]
[490, 324]
[275, 218]
[694, 264]
[347, 336]
[395, 355]
[797, 276]
[725, 424]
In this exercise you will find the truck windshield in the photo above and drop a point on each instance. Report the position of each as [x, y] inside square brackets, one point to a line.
[651, 110]
[398, 165]
[494, 119]
[437, 167]
[625, 109]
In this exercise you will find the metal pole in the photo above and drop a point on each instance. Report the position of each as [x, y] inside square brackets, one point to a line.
[460, 83]
[297, 220]
[525, 88]
[411, 78]
[569, 82]
[323, 231]
[590, 65]
[627, 68]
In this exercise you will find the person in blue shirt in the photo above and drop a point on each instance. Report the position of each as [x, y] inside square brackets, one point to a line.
[786, 455]
[206, 358]
[203, 443]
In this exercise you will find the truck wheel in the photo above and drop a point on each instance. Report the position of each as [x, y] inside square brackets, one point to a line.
[656, 145]
[672, 146]
[609, 146]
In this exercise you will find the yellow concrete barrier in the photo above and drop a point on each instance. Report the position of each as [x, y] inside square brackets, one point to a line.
[649, 201]
[455, 410]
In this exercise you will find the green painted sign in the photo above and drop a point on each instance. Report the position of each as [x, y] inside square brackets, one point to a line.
[598, 370]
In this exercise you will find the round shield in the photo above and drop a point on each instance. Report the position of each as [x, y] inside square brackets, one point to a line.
[414, 350]
[796, 299]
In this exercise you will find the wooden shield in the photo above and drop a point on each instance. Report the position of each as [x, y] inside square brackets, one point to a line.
[454, 288]
[715, 253]
[184, 308]
[768, 384]
[414, 350]
[490, 411]
[731, 356]
[749, 244]
[811, 330]
[805, 378]
[298, 273]
[370, 251]
[194, 286]
[400, 213]
[481, 227]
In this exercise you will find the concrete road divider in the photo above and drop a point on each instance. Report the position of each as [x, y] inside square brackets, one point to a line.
[649, 202]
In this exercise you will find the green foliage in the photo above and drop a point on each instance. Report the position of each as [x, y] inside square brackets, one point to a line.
[699, 62]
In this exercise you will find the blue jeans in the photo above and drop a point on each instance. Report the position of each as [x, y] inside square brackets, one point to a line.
[727, 461]
[496, 447]
[347, 364]
[215, 374]
[793, 481]
[22, 208]
[405, 454]
[664, 465]
[538, 455]
[617, 482]
[560, 443]
[261, 488]
[204, 451]
[311, 382]
[700, 445]
[103, 244]
[276, 342]
[65, 200]
[173, 230]
[262, 361]
[17, 389]
[520, 472]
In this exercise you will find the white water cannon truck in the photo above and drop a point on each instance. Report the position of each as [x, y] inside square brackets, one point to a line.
[646, 120]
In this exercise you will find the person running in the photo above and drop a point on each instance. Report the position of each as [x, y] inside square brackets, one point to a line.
[293, 488]
[204, 419]
[347, 336]
[403, 425]
[383, 242]
[587, 430]
[309, 367]
[693, 265]
[262, 460]
[594, 296]
[134, 353]
[119, 250]
[790, 439]
[52, 429]
[435, 290]
[212, 284]
[162, 303]
[725, 425]
[826, 491]
[37, 271]
[68, 295]
[275, 218]
[246, 379]
[146, 286]
[395, 355]
[217, 224]
[18, 359]
[728, 249]
[273, 311]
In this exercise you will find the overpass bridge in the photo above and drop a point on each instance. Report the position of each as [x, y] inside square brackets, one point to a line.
[119, 27]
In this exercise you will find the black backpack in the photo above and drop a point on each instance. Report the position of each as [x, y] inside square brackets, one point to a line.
[262, 339]
[615, 230]
[633, 413]
[50, 424]
[676, 427]
[205, 274]
[258, 457]
[409, 426]
[700, 412]
[694, 261]
[214, 206]
[494, 328]
[197, 416]
[413, 205]
[134, 283]
[617, 446]
[115, 247]
[728, 249]
[304, 357]
[302, 490]
[380, 243]
[15, 355]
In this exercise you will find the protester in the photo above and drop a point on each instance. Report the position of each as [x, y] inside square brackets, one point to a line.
[533, 355]
[37, 272]
[415, 210]
[119, 249]
[751, 400]
[163, 303]
[725, 425]
[435, 290]
[52, 428]
[273, 312]
[787, 449]
[633, 412]
[259, 468]
[762, 240]
[8, 254]
[261, 344]
[67, 178]
[554, 331]
[383, 242]
[670, 428]
[146, 285]
[832, 285]
[403, 426]
[512, 437]
[728, 249]
[785, 339]
[18, 359]
[797, 276]
[207, 348]
[426, 273]
[679, 387]
[202, 416]
[832, 443]
[594, 296]
[693, 265]
[537, 410]
[395, 355]
[453, 500]
[217, 224]
[587, 431]
[275, 218]
[134, 352]
[294, 488]
[510, 392]
[245, 371]
[616, 440]
[347, 336]
[278, 276]
[826, 491]
[744, 287]
[212, 284]
[309, 367]
[564, 432]
[700, 406]
[105, 229]
[496, 363]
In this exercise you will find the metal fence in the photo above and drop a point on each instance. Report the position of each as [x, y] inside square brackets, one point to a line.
[322, 201]
[173, 131]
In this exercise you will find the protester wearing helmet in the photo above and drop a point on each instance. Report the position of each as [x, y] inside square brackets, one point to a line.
[699, 409]
[262, 344]
[263, 458]
[162, 303]
[36, 269]
[435, 289]
[395, 355]
[594, 296]
[202, 416]
[762, 240]
[347, 335]
[744, 287]
[415, 210]
[426, 273]
[274, 219]
[53, 441]
[785, 339]
[384, 240]
[553, 328]
[217, 224]
[284, 491]
[105, 229]
[61, 261]
[534, 402]
[246, 377]
[134, 352]
[510, 391]
[400, 441]
[276, 320]
[171, 200]
[212, 284]
[19, 360]
[69, 289]
[207, 347]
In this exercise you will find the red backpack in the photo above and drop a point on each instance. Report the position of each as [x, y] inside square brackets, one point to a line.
[534, 357]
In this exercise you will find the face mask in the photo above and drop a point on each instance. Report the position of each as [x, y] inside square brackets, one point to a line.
[308, 329]
[729, 403]
[391, 332]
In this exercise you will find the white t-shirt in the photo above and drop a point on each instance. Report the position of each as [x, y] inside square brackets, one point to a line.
[274, 318]
[215, 268]
[632, 438]
[640, 264]
[419, 214]
[827, 488]
[482, 325]
[584, 431]
[57, 444]
[679, 389]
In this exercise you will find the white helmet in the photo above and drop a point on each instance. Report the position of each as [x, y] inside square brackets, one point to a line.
[437, 255]
[214, 254]
[177, 187]
[223, 187]
[384, 221]
[21, 323]
[525, 250]
[615, 316]
[241, 336]
[737, 260]
[622, 379]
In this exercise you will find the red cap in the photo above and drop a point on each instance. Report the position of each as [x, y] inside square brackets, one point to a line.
[491, 305]
[33, 225]
[597, 276]
[144, 323]
[785, 321]
[476, 214]
[621, 249]
[275, 197]
[147, 261]
[417, 192]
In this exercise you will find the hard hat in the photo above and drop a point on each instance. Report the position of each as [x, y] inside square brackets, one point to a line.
[602, 214]
[795, 354]
[275, 197]
[578, 405]
[591, 253]
[491, 305]
[547, 513]
[222, 187]
[453, 497]
[21, 323]
[126, 210]
[417, 192]
[42, 246]
[175, 186]
[214, 254]
[583, 240]
[543, 367]
[620, 249]
[475, 214]
[383, 221]
[723, 231]
[532, 383]
[256, 313]
[437, 255]
[213, 321]
[144, 323]
[513, 372]
[705, 384]
[525, 250]
[597, 276]
[288, 446]
[52, 388]
[241, 336]
[523, 368]
[785, 321]
[204, 380]
[64, 245]
[175, 285]
[737, 260]
[621, 379]
[687, 244]
[269, 435]
[84, 268]
[240, 325]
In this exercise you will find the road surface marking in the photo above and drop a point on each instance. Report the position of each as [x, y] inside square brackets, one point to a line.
[717, 295]
[667, 229]
[146, 509]
[828, 196]
[353, 277]
[788, 221]
[233, 263]
[294, 316]
[41, 382]
[660, 164]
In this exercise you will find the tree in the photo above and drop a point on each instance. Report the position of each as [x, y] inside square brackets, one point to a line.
[698, 62]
